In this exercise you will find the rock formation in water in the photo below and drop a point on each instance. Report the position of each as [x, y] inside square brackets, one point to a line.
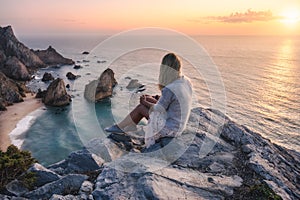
[47, 77]
[77, 67]
[71, 76]
[207, 162]
[101, 88]
[56, 94]
[134, 83]
[51, 58]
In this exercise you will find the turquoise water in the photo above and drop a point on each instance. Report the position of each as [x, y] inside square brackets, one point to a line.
[260, 75]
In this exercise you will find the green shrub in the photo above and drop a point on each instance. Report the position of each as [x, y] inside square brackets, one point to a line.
[13, 164]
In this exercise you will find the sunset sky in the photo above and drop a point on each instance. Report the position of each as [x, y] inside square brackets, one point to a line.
[194, 17]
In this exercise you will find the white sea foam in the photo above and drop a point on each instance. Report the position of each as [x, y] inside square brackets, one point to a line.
[17, 136]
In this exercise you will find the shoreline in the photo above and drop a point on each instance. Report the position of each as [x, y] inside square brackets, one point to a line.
[10, 118]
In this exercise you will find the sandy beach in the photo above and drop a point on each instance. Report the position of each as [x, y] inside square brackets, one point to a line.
[10, 118]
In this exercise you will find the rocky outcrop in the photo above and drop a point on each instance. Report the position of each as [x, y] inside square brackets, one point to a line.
[15, 69]
[207, 161]
[66, 185]
[51, 58]
[134, 83]
[81, 161]
[43, 175]
[71, 76]
[10, 91]
[56, 94]
[47, 77]
[10, 45]
[101, 88]
[77, 67]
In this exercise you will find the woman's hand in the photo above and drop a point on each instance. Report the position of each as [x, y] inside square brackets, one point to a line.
[143, 99]
[147, 101]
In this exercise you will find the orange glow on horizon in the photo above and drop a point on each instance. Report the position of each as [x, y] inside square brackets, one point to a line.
[196, 17]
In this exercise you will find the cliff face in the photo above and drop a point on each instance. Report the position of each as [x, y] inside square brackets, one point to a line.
[11, 46]
[10, 91]
[207, 162]
[15, 69]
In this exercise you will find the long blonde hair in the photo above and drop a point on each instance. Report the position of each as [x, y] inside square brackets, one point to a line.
[170, 70]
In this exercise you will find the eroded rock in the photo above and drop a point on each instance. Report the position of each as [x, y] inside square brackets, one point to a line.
[134, 83]
[12, 47]
[43, 175]
[52, 58]
[71, 76]
[66, 185]
[101, 88]
[47, 77]
[9, 91]
[81, 161]
[56, 94]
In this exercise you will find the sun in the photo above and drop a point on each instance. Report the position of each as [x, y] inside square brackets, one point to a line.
[290, 16]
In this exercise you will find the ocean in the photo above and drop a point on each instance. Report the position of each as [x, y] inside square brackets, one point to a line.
[260, 76]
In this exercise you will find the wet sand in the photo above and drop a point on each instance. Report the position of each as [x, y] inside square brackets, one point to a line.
[10, 118]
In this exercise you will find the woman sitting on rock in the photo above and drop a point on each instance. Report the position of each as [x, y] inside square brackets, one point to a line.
[167, 115]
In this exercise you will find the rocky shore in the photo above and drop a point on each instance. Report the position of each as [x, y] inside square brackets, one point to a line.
[240, 164]
[18, 63]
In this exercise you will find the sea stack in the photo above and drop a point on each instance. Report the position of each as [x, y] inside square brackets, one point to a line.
[56, 94]
[102, 87]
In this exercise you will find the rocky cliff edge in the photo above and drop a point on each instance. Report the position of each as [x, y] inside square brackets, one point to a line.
[207, 162]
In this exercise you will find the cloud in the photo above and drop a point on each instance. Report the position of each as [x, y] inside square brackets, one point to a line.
[240, 17]
[71, 21]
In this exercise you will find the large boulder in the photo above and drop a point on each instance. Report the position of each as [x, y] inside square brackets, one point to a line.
[47, 77]
[43, 175]
[101, 88]
[15, 69]
[81, 161]
[11, 46]
[134, 83]
[66, 185]
[52, 58]
[56, 94]
[71, 76]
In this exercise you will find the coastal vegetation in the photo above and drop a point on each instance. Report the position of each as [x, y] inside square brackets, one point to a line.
[13, 165]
